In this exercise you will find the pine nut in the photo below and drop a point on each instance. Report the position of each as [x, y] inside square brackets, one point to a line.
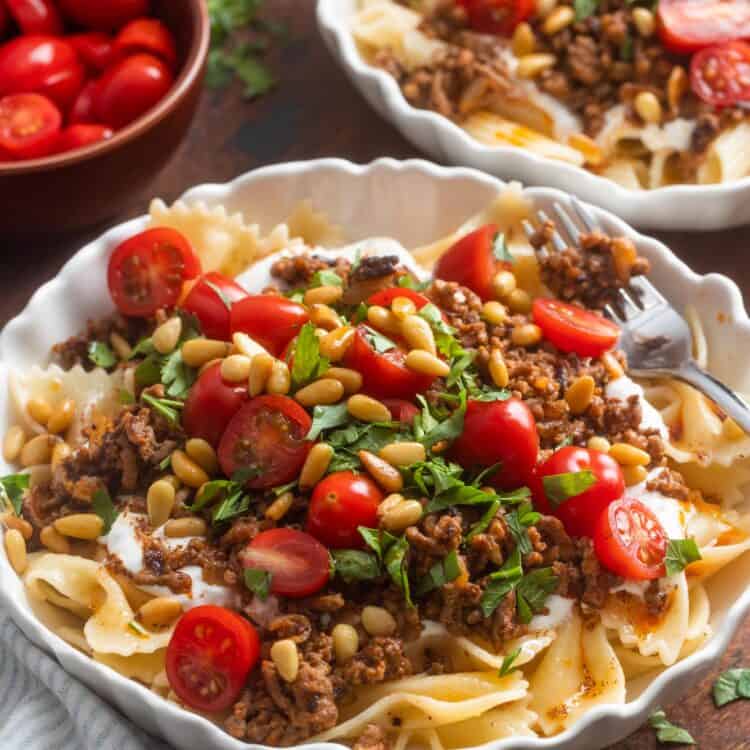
[325, 317]
[498, 369]
[280, 380]
[634, 475]
[579, 394]
[121, 347]
[260, 370]
[59, 453]
[731, 430]
[644, 21]
[383, 319]
[378, 621]
[531, 66]
[612, 366]
[243, 344]
[545, 7]
[187, 471]
[159, 613]
[592, 152]
[350, 379]
[425, 363]
[628, 455]
[286, 658]
[37, 451]
[402, 307]
[167, 335]
[396, 514]
[189, 526]
[387, 476]
[418, 334]
[62, 417]
[173, 480]
[160, 502]
[39, 410]
[323, 295]
[316, 464]
[560, 18]
[321, 392]
[345, 642]
[321, 333]
[368, 409]
[236, 368]
[203, 453]
[87, 526]
[494, 313]
[197, 352]
[598, 443]
[677, 85]
[648, 107]
[523, 41]
[279, 507]
[54, 541]
[15, 549]
[403, 454]
[335, 344]
[503, 284]
[528, 334]
[519, 301]
[21, 525]
[13, 443]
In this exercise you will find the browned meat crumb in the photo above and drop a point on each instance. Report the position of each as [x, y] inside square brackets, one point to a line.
[372, 738]
[380, 660]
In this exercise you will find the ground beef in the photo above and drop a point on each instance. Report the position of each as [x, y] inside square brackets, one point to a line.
[372, 738]
[374, 267]
[298, 270]
[382, 659]
[670, 483]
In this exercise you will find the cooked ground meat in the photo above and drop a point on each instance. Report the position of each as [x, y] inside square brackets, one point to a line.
[670, 483]
[373, 738]
[382, 659]
[297, 270]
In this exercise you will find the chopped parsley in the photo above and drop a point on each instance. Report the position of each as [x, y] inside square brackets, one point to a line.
[518, 521]
[407, 281]
[308, 364]
[168, 408]
[101, 355]
[508, 661]
[429, 430]
[326, 418]
[442, 572]
[392, 552]
[731, 686]
[12, 488]
[103, 506]
[585, 8]
[325, 277]
[378, 341]
[500, 249]
[258, 581]
[561, 487]
[355, 565]
[680, 553]
[668, 732]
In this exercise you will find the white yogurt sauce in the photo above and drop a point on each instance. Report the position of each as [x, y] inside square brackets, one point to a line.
[634, 588]
[623, 388]
[671, 513]
[560, 610]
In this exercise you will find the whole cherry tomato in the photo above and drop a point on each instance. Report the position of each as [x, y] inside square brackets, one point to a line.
[211, 300]
[147, 35]
[270, 320]
[720, 75]
[471, 262]
[103, 15]
[29, 126]
[82, 110]
[689, 25]
[36, 16]
[497, 16]
[80, 135]
[94, 48]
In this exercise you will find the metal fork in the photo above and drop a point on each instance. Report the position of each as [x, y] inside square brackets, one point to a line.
[655, 337]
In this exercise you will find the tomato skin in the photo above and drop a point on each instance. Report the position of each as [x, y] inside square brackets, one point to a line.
[203, 302]
[401, 410]
[298, 562]
[720, 75]
[4, 19]
[82, 110]
[81, 135]
[130, 88]
[686, 26]
[29, 126]
[499, 431]
[385, 297]
[147, 35]
[267, 433]
[630, 542]
[497, 16]
[198, 658]
[580, 514]
[36, 16]
[94, 48]
[470, 262]
[341, 503]
[270, 320]
[103, 15]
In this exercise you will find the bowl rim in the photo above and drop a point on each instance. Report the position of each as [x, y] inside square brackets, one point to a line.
[190, 71]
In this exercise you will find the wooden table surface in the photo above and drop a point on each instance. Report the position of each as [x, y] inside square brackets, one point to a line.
[315, 112]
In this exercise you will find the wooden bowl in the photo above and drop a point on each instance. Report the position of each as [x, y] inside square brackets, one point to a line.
[72, 191]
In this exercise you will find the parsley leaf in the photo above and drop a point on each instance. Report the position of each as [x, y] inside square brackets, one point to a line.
[680, 553]
[326, 418]
[325, 277]
[532, 592]
[167, 408]
[234, 504]
[668, 732]
[355, 565]
[12, 488]
[501, 583]
[378, 540]
[308, 364]
[479, 526]
[518, 521]
[396, 565]
[731, 686]
[466, 494]
[428, 430]
[436, 475]
[445, 339]
[258, 581]
[507, 666]
[103, 506]
[561, 487]
[378, 341]
[443, 571]
[585, 8]
[125, 397]
[101, 355]
[500, 249]
[407, 281]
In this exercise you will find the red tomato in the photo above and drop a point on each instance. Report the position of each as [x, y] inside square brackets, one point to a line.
[385, 297]
[147, 35]
[401, 410]
[270, 320]
[630, 541]
[211, 404]
[339, 505]
[470, 262]
[497, 16]
[80, 135]
[103, 15]
[210, 305]
[82, 110]
[298, 563]
[384, 375]
[210, 656]
[499, 432]
[146, 272]
[41, 64]
[579, 514]
[689, 25]
[29, 126]
[267, 436]
[36, 16]
[720, 75]
[130, 88]
[573, 329]
[94, 48]
[4, 19]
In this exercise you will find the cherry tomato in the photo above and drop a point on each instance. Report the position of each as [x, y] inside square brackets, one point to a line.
[146, 272]
[147, 35]
[630, 541]
[207, 300]
[341, 503]
[210, 655]
[82, 110]
[298, 563]
[470, 262]
[384, 374]
[29, 126]
[689, 25]
[211, 404]
[41, 64]
[499, 432]
[94, 48]
[401, 410]
[385, 297]
[573, 329]
[720, 75]
[4, 19]
[267, 437]
[130, 88]
[36, 16]
[580, 513]
[497, 16]
[270, 320]
[103, 15]
[80, 135]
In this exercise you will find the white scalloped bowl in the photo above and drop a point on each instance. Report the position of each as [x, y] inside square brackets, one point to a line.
[691, 207]
[415, 202]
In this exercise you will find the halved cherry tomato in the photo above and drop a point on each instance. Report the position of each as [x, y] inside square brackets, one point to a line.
[41, 64]
[580, 513]
[630, 541]
[720, 75]
[470, 262]
[401, 410]
[103, 15]
[384, 375]
[94, 48]
[341, 503]
[298, 563]
[146, 272]
[210, 655]
[147, 35]
[36, 16]
[573, 329]
[689, 25]
[270, 320]
[130, 88]
[385, 297]
[499, 432]
[81, 135]
[497, 16]
[266, 437]
[29, 126]
[82, 110]
[211, 404]
[208, 299]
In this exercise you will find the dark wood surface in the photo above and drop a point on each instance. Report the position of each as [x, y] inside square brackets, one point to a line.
[315, 112]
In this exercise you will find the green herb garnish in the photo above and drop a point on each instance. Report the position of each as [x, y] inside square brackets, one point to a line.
[442, 572]
[12, 488]
[508, 661]
[355, 565]
[561, 487]
[308, 364]
[731, 686]
[680, 553]
[258, 581]
[668, 732]
[103, 506]
[101, 355]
